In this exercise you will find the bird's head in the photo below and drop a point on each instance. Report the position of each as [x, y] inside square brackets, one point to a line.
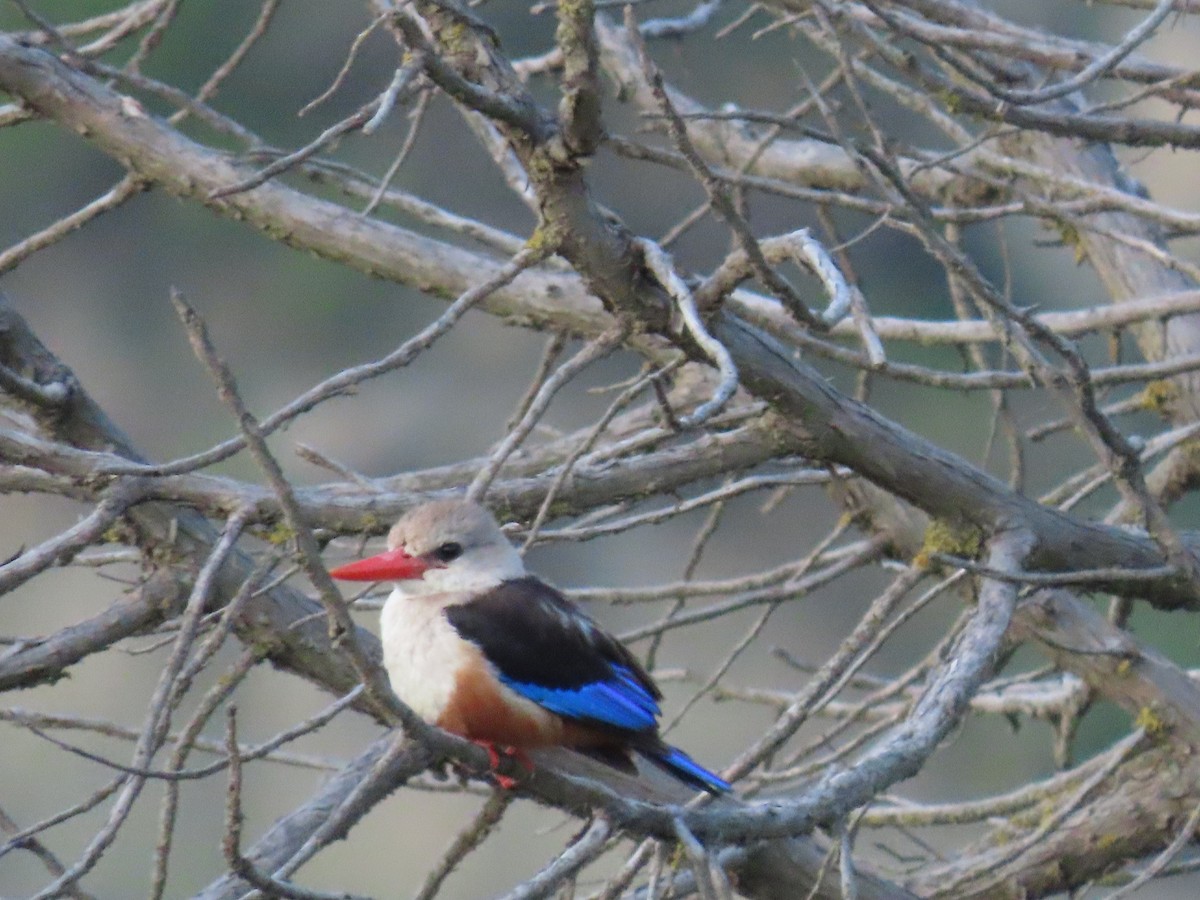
[447, 546]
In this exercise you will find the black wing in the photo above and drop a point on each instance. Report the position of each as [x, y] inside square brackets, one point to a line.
[547, 650]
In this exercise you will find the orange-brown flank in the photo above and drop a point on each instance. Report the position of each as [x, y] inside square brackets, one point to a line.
[481, 709]
[478, 710]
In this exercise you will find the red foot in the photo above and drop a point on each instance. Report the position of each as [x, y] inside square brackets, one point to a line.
[515, 753]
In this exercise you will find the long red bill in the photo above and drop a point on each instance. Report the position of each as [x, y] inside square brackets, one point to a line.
[394, 565]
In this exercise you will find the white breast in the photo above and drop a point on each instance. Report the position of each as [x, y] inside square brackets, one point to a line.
[421, 652]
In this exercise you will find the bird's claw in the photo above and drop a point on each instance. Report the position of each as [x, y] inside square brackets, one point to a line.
[514, 753]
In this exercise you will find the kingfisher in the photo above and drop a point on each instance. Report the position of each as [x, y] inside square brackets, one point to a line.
[477, 646]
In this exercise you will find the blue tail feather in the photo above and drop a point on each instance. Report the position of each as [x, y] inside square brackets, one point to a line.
[688, 770]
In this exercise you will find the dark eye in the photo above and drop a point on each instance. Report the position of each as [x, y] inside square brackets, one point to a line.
[448, 552]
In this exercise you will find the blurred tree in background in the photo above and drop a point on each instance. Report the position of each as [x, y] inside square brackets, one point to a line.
[853, 349]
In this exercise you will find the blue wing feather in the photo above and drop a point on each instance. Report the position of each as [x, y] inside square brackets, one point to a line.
[620, 701]
[684, 767]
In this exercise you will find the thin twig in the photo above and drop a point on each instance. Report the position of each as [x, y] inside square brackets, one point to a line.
[663, 268]
[467, 840]
[231, 841]
[129, 186]
[341, 626]
[566, 864]
[592, 351]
